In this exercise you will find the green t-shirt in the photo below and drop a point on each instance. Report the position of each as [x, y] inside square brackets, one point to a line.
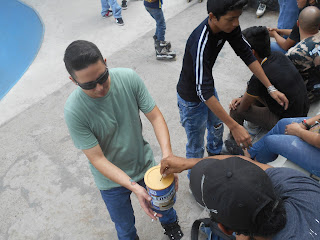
[114, 123]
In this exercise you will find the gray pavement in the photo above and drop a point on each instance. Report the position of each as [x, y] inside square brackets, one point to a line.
[47, 191]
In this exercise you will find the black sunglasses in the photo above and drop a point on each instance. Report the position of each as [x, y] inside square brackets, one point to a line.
[91, 85]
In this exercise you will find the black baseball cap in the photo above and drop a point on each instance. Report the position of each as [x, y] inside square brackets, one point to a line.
[234, 190]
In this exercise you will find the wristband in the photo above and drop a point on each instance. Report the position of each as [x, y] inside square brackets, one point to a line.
[271, 89]
[304, 123]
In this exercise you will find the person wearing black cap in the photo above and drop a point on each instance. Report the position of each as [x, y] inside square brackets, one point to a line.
[253, 200]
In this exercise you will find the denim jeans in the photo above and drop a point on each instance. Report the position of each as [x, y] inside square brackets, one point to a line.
[118, 203]
[288, 14]
[195, 117]
[275, 142]
[116, 9]
[276, 48]
[157, 14]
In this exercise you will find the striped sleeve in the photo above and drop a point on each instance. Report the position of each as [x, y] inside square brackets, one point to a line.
[203, 72]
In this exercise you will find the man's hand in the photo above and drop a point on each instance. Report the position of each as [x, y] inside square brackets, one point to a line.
[144, 200]
[294, 129]
[172, 164]
[235, 103]
[241, 136]
[272, 33]
[280, 98]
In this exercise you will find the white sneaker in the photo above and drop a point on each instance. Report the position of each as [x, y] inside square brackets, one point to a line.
[261, 9]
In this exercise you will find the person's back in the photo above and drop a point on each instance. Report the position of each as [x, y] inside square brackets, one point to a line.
[257, 200]
[301, 196]
[285, 77]
[306, 54]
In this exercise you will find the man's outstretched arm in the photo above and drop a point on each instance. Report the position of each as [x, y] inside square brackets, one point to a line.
[175, 164]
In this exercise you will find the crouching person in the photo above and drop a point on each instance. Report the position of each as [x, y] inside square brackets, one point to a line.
[251, 200]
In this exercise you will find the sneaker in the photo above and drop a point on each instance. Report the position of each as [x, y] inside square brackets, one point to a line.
[108, 14]
[156, 42]
[233, 148]
[119, 21]
[165, 44]
[261, 9]
[162, 53]
[173, 230]
[124, 5]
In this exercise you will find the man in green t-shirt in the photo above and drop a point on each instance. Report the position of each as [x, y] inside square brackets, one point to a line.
[102, 116]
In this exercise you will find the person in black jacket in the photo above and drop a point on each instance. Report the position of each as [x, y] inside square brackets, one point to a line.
[197, 97]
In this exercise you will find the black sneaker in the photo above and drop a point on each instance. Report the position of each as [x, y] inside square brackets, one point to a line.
[165, 44]
[119, 21]
[233, 148]
[162, 53]
[173, 230]
[124, 5]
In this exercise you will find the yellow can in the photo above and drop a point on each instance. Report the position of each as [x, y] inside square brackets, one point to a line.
[161, 190]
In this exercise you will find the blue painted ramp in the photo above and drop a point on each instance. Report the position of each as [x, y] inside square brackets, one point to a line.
[21, 34]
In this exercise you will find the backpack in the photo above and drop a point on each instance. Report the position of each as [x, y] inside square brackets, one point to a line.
[213, 227]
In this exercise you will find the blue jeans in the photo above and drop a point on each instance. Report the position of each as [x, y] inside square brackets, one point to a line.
[288, 14]
[118, 203]
[276, 48]
[195, 117]
[116, 9]
[157, 14]
[275, 142]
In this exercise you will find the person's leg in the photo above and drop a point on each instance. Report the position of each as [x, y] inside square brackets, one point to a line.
[169, 220]
[288, 13]
[260, 116]
[104, 7]
[157, 15]
[215, 131]
[276, 48]
[259, 148]
[120, 209]
[168, 216]
[193, 117]
[294, 149]
[116, 9]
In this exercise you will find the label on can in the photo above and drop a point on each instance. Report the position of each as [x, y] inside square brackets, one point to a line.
[161, 190]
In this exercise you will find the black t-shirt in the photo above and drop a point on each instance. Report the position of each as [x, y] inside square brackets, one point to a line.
[301, 196]
[295, 34]
[287, 79]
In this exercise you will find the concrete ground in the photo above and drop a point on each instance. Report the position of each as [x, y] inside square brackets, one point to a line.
[47, 191]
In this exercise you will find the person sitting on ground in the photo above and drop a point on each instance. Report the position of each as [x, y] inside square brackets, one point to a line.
[282, 44]
[252, 200]
[297, 139]
[162, 47]
[256, 105]
[306, 54]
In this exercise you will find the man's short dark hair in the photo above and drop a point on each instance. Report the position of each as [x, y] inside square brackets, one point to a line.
[259, 39]
[220, 7]
[79, 55]
[269, 221]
